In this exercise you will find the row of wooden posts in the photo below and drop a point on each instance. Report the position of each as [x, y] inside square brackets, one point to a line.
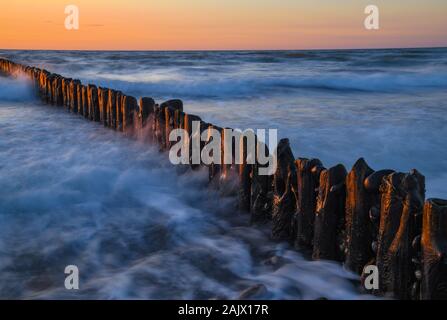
[361, 217]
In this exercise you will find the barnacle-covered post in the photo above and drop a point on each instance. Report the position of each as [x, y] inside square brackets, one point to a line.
[358, 251]
[330, 214]
[284, 188]
[401, 206]
[308, 175]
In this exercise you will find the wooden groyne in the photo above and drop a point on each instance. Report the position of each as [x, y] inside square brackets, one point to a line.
[361, 217]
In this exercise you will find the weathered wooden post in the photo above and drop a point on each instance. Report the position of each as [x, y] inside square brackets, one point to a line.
[129, 109]
[103, 96]
[247, 157]
[224, 167]
[43, 85]
[401, 204]
[214, 168]
[56, 89]
[169, 109]
[308, 175]
[119, 112]
[80, 106]
[372, 185]
[65, 91]
[84, 102]
[93, 104]
[358, 241]
[330, 214]
[284, 197]
[49, 87]
[147, 106]
[188, 126]
[74, 95]
[111, 103]
[261, 198]
[434, 250]
[159, 128]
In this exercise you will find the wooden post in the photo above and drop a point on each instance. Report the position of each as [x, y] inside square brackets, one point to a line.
[147, 106]
[103, 96]
[84, 102]
[74, 95]
[434, 250]
[111, 103]
[308, 175]
[284, 198]
[330, 214]
[159, 128]
[358, 225]
[245, 172]
[169, 109]
[93, 105]
[402, 202]
[129, 109]
[261, 198]
[119, 114]
[214, 168]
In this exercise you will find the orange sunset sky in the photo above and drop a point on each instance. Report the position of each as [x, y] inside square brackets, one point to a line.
[221, 24]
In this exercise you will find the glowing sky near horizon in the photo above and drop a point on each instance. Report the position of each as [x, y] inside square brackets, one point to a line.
[221, 24]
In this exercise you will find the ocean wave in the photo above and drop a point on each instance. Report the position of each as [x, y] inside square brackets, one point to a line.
[261, 86]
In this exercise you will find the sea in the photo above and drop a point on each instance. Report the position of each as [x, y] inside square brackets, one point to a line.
[75, 193]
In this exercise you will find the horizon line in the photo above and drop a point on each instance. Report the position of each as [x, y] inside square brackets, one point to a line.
[225, 50]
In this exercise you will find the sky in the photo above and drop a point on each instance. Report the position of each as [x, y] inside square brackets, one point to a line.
[221, 24]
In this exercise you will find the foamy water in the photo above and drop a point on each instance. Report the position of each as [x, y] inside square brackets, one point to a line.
[76, 193]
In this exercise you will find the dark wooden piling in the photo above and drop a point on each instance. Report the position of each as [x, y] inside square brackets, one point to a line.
[213, 168]
[401, 204]
[159, 128]
[103, 96]
[80, 106]
[284, 197]
[73, 93]
[174, 104]
[308, 175]
[434, 250]
[93, 103]
[372, 185]
[188, 126]
[330, 214]
[261, 195]
[245, 170]
[111, 103]
[359, 237]
[119, 113]
[147, 106]
[171, 111]
[57, 91]
[129, 109]
[65, 91]
[84, 102]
